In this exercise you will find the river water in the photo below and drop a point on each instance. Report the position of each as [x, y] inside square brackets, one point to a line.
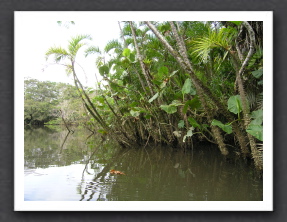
[61, 166]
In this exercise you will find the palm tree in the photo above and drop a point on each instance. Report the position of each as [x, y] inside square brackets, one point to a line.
[69, 57]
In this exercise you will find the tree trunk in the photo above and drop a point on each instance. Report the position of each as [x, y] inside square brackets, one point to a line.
[141, 60]
[245, 105]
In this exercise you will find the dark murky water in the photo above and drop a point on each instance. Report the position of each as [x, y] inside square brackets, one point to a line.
[75, 167]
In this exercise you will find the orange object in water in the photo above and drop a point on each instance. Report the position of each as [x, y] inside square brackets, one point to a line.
[116, 172]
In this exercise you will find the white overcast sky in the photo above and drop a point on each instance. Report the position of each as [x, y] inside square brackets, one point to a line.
[38, 31]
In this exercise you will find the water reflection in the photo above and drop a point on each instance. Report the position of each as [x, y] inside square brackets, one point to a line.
[59, 166]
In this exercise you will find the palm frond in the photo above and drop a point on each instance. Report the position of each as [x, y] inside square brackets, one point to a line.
[202, 47]
[257, 57]
[74, 43]
[99, 61]
[92, 50]
[58, 52]
[129, 41]
[215, 39]
[113, 44]
[126, 30]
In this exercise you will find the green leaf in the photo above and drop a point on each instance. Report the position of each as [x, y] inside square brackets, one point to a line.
[193, 104]
[185, 107]
[225, 128]
[258, 73]
[234, 104]
[180, 124]
[176, 103]
[154, 97]
[135, 113]
[147, 116]
[163, 70]
[99, 99]
[186, 87]
[120, 82]
[104, 70]
[257, 116]
[126, 52]
[193, 122]
[256, 131]
[169, 108]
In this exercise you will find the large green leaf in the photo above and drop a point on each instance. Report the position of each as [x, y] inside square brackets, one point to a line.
[169, 108]
[193, 104]
[225, 127]
[103, 70]
[162, 71]
[258, 73]
[126, 52]
[193, 122]
[256, 131]
[257, 116]
[176, 103]
[188, 87]
[234, 104]
[135, 113]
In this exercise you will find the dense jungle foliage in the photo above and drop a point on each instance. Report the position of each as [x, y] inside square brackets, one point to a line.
[174, 83]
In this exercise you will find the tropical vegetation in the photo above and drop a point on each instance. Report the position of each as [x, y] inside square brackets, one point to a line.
[174, 83]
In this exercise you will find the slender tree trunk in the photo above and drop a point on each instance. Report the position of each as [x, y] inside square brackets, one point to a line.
[141, 60]
[82, 92]
[245, 105]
